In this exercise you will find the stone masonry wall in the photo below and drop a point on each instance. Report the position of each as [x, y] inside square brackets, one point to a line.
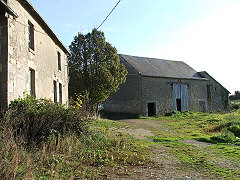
[128, 98]
[218, 100]
[44, 58]
[160, 91]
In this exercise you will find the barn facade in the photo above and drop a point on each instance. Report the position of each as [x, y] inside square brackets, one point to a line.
[156, 86]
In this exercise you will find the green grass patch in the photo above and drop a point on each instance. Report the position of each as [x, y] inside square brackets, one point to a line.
[106, 124]
[189, 125]
[193, 158]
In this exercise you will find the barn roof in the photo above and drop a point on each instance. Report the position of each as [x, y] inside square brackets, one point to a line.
[160, 67]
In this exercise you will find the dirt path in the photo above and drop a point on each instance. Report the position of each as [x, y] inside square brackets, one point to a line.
[166, 166]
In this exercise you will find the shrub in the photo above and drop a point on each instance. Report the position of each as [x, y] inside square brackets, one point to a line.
[36, 120]
[225, 137]
[234, 106]
[235, 129]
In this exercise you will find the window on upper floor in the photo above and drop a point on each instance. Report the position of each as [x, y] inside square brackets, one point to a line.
[30, 35]
[32, 82]
[59, 62]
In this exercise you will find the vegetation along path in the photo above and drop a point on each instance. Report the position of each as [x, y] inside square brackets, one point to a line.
[184, 146]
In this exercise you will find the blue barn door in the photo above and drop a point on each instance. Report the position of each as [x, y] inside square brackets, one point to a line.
[180, 97]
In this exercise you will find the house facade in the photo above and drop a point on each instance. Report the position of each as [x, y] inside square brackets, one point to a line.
[156, 86]
[32, 58]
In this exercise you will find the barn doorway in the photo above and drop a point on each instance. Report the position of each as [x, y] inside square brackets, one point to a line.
[180, 97]
[179, 107]
[151, 109]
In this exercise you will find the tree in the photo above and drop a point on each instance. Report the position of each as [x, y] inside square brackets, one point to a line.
[95, 70]
[235, 96]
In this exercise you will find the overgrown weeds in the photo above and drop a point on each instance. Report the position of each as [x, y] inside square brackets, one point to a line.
[33, 121]
[43, 140]
[71, 156]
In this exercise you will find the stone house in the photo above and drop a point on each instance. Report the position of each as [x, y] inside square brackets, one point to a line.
[32, 58]
[156, 86]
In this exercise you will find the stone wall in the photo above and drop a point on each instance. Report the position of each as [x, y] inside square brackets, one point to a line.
[43, 59]
[128, 98]
[160, 91]
[218, 100]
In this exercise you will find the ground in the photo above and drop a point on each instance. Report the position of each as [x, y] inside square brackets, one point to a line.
[175, 153]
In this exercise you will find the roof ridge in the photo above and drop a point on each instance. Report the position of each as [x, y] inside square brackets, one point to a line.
[159, 67]
[152, 58]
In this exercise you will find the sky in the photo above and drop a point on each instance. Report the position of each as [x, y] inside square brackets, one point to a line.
[205, 34]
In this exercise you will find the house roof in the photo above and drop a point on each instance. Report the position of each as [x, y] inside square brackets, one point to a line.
[6, 8]
[160, 67]
[29, 7]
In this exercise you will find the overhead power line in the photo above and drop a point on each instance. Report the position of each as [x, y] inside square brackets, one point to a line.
[109, 14]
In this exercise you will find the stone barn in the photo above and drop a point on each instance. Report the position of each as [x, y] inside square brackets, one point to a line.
[32, 58]
[157, 86]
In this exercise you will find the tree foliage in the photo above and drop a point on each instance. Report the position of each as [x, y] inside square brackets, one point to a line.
[95, 70]
[235, 96]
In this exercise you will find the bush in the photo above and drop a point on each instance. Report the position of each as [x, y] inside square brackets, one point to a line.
[234, 106]
[235, 129]
[225, 137]
[35, 120]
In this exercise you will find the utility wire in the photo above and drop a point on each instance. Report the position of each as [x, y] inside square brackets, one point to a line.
[109, 14]
[34, 28]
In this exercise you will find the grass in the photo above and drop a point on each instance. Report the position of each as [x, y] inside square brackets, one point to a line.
[234, 104]
[105, 149]
[192, 158]
[189, 125]
[209, 160]
[219, 161]
[93, 156]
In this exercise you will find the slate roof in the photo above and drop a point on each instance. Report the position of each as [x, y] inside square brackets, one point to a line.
[160, 67]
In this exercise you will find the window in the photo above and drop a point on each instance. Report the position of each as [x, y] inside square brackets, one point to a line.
[55, 91]
[0, 41]
[59, 62]
[32, 82]
[202, 106]
[30, 35]
[208, 92]
[60, 93]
